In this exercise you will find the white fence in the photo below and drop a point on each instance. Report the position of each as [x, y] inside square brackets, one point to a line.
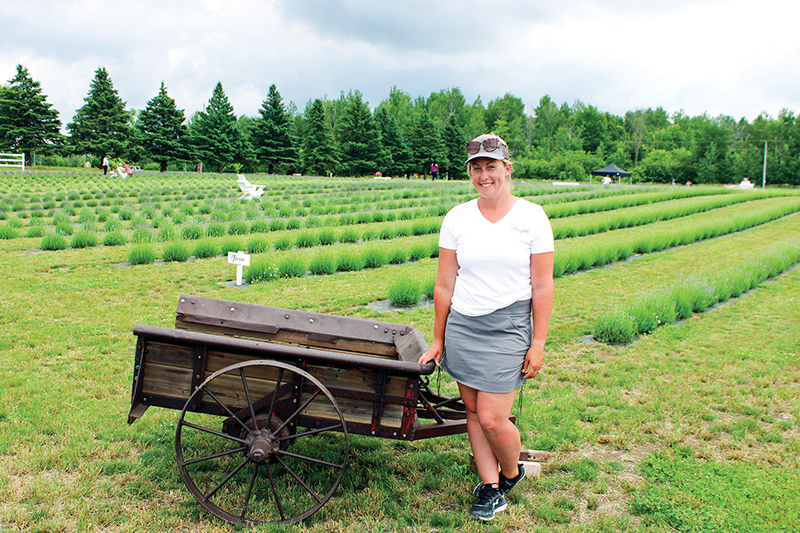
[13, 160]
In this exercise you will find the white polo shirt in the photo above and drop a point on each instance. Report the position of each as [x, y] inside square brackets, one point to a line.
[494, 260]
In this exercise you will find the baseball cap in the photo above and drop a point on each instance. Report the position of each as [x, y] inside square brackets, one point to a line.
[487, 145]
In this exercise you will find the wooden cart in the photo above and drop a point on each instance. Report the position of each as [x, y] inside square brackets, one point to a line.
[268, 397]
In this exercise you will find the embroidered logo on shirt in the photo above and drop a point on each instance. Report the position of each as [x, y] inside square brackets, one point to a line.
[520, 230]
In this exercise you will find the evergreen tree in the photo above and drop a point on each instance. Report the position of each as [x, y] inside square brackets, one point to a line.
[319, 150]
[426, 144]
[455, 153]
[27, 122]
[271, 136]
[400, 160]
[215, 134]
[102, 125]
[361, 151]
[164, 134]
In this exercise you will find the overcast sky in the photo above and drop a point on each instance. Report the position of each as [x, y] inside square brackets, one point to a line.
[731, 57]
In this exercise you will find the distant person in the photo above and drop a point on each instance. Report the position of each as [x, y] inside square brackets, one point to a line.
[128, 169]
[105, 165]
[434, 171]
[495, 269]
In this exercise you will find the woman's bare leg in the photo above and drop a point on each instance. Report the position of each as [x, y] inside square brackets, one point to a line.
[494, 439]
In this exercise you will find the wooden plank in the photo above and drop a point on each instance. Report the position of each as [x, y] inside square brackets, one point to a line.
[313, 329]
[166, 381]
[176, 355]
[267, 350]
[298, 339]
[354, 411]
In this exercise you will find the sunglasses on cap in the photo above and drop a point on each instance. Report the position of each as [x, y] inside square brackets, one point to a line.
[490, 145]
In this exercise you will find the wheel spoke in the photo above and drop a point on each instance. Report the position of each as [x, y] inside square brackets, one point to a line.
[208, 430]
[298, 411]
[275, 493]
[206, 497]
[303, 483]
[249, 401]
[306, 458]
[274, 395]
[231, 413]
[310, 432]
[214, 456]
[249, 491]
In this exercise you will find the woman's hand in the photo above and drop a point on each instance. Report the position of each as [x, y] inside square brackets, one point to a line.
[534, 360]
[434, 353]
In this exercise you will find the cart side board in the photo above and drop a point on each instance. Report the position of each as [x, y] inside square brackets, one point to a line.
[378, 396]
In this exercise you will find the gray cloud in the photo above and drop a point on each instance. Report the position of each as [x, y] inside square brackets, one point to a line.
[715, 56]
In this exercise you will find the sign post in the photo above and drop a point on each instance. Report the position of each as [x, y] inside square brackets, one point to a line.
[240, 259]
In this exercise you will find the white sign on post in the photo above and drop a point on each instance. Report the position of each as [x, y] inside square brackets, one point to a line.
[240, 259]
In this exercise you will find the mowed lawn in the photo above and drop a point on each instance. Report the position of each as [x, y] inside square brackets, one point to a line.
[695, 427]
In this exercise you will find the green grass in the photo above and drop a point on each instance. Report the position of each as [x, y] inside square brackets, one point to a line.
[695, 426]
[688, 494]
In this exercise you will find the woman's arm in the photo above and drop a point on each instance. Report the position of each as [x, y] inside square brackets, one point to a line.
[442, 295]
[542, 302]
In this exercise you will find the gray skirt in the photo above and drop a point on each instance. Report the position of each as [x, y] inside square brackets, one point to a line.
[487, 352]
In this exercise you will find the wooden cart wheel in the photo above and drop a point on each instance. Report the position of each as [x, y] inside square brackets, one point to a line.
[245, 474]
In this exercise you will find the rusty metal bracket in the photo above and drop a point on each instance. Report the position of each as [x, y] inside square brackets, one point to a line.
[377, 406]
[198, 373]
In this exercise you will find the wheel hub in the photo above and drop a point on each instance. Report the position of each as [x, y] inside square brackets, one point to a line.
[261, 445]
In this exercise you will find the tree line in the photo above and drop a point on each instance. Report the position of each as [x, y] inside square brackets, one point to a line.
[402, 136]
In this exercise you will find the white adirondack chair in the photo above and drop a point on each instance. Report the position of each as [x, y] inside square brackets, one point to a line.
[119, 172]
[249, 191]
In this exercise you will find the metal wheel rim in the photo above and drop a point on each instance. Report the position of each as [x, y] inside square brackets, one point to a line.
[206, 500]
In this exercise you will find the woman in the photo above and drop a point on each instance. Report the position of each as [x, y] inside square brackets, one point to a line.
[495, 268]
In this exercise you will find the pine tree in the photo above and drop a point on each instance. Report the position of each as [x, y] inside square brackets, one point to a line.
[164, 133]
[215, 134]
[427, 146]
[271, 139]
[393, 141]
[319, 151]
[27, 122]
[453, 139]
[101, 126]
[359, 139]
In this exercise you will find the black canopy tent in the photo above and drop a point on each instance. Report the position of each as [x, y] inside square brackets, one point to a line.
[612, 171]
